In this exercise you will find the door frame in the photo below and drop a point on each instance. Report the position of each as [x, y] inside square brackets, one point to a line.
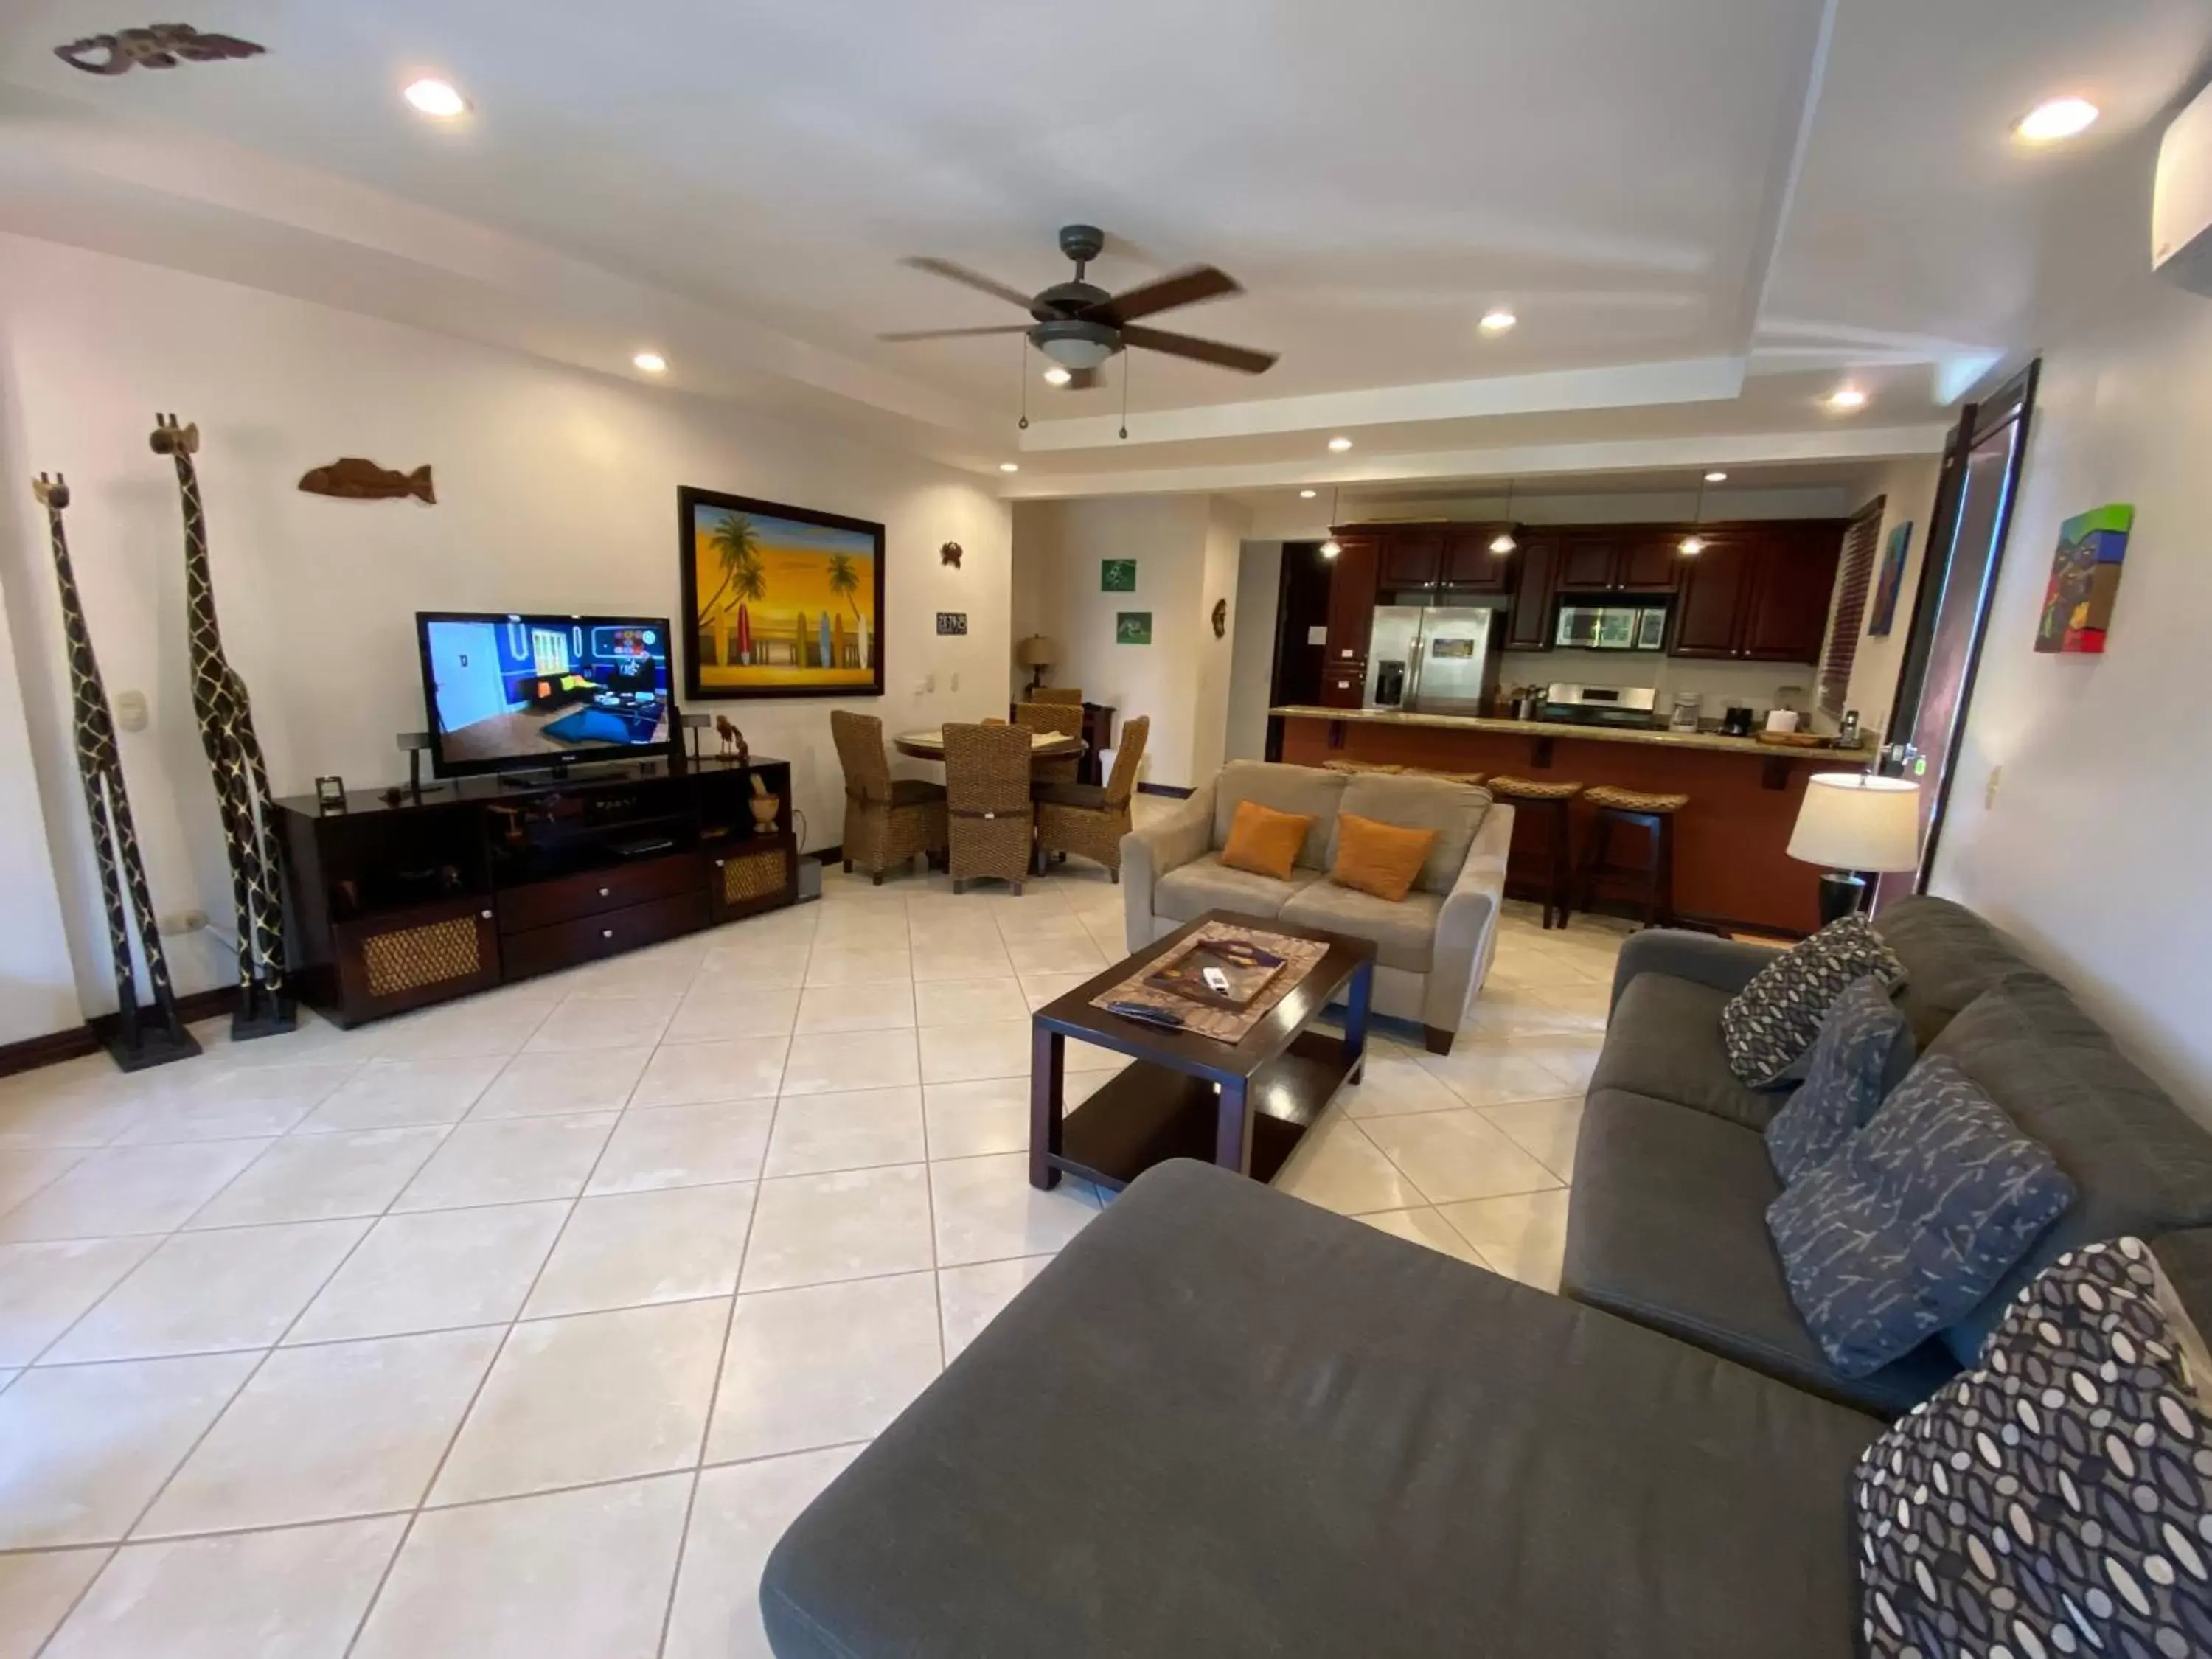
[2012, 404]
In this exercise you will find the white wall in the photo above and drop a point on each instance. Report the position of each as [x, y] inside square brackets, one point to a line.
[1907, 489]
[555, 492]
[2093, 850]
[1186, 547]
[1252, 660]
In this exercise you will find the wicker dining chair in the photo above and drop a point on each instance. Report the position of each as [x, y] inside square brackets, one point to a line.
[1063, 718]
[986, 796]
[1088, 820]
[1057, 694]
[887, 820]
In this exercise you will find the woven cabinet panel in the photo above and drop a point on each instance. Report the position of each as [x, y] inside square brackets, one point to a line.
[416, 956]
[748, 876]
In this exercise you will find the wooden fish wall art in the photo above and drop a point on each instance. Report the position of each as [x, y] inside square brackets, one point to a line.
[164, 45]
[356, 480]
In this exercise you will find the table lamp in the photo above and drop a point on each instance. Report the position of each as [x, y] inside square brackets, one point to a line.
[1035, 653]
[1854, 821]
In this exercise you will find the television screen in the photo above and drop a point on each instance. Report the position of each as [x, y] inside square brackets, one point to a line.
[519, 691]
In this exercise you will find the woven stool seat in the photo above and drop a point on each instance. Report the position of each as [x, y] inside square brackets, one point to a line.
[1515, 788]
[1447, 777]
[1360, 765]
[1631, 800]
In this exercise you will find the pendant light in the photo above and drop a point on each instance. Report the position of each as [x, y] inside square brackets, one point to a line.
[1331, 547]
[1503, 543]
[1692, 544]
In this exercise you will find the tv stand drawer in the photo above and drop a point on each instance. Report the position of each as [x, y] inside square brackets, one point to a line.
[564, 945]
[595, 892]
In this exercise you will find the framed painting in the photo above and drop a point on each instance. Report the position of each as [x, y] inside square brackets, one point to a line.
[1889, 581]
[1117, 575]
[2085, 578]
[1133, 628]
[778, 601]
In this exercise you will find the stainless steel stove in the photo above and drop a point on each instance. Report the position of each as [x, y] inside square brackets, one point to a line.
[1601, 705]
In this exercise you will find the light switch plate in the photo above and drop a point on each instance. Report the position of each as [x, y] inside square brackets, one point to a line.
[130, 710]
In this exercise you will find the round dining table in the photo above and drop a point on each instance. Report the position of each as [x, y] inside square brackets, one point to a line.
[930, 745]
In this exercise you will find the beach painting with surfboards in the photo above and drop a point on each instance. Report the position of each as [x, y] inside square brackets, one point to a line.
[782, 601]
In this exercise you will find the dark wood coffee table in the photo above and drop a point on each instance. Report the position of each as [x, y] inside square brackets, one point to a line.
[1241, 1105]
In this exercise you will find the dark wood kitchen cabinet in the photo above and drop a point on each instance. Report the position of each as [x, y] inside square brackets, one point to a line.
[1536, 584]
[1652, 563]
[1469, 566]
[1759, 593]
[1587, 562]
[1628, 558]
[1352, 601]
[1408, 560]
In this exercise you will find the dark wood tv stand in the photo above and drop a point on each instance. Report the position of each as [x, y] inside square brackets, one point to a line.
[479, 883]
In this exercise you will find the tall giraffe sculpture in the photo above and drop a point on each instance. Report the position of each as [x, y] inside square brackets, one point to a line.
[241, 781]
[136, 1043]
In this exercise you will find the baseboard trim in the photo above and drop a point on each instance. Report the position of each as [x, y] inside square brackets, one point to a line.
[1171, 791]
[92, 1036]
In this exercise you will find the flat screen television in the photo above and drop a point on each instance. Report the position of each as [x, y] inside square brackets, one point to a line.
[516, 692]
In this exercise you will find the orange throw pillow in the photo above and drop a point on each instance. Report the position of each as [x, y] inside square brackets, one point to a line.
[1379, 858]
[1263, 840]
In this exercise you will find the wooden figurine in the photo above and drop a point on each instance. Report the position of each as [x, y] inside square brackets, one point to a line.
[733, 741]
[356, 480]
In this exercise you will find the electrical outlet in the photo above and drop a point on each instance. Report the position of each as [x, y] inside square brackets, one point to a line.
[1989, 789]
[183, 921]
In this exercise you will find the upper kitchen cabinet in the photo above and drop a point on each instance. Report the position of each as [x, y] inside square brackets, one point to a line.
[1351, 611]
[1469, 566]
[1409, 558]
[1759, 593]
[1619, 559]
[1535, 567]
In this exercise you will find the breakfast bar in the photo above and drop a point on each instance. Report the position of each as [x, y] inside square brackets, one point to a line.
[1731, 868]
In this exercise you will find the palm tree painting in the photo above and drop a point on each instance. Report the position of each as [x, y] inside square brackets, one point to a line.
[783, 601]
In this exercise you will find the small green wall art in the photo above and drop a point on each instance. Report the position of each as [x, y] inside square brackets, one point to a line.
[1133, 628]
[1117, 575]
[2085, 577]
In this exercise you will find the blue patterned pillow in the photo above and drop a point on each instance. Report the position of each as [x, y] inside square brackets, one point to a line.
[2058, 1500]
[1864, 1050]
[1915, 1220]
[1769, 1025]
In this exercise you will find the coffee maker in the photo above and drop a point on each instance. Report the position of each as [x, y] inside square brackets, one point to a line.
[1737, 722]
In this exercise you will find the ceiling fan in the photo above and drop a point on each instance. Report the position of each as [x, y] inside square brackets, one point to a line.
[1079, 325]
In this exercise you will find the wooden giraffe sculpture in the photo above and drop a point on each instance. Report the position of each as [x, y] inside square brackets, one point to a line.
[241, 781]
[114, 837]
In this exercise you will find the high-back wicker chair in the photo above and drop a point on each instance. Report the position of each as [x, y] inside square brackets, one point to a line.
[1067, 719]
[1085, 819]
[986, 796]
[887, 820]
[1057, 694]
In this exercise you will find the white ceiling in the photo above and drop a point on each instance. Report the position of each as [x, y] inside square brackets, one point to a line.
[1705, 212]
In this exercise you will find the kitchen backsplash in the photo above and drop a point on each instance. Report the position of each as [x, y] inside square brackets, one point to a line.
[1757, 685]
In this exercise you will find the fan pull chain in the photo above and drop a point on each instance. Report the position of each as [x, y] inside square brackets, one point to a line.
[1126, 361]
[1023, 425]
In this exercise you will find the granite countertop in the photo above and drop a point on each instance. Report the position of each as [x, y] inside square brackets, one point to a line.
[1656, 737]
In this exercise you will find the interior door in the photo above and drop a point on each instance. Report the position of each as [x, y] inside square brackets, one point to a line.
[1965, 548]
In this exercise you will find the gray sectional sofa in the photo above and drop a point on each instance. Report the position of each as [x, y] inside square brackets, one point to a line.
[1225, 1423]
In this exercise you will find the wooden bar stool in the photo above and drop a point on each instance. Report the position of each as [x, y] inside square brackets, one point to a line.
[1541, 795]
[1655, 816]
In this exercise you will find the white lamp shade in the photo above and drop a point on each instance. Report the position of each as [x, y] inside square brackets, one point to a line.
[1849, 821]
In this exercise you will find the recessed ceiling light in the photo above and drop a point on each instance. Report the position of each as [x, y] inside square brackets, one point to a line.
[650, 362]
[1307, 495]
[1715, 477]
[1058, 376]
[1498, 321]
[1010, 467]
[1340, 445]
[1844, 398]
[2056, 118]
[436, 99]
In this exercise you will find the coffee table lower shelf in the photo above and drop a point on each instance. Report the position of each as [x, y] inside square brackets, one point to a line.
[1149, 1113]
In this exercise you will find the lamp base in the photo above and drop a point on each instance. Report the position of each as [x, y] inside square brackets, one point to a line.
[1841, 894]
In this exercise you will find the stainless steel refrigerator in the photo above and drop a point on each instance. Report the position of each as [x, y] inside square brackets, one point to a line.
[1432, 659]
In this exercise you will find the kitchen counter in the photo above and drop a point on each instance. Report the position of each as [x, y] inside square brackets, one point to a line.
[1732, 867]
[1711, 742]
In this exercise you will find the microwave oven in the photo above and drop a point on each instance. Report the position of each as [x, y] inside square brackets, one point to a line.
[1610, 628]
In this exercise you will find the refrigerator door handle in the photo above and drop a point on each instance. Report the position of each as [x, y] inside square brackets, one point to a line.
[1415, 657]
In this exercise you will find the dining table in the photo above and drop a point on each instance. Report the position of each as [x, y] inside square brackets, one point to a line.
[930, 744]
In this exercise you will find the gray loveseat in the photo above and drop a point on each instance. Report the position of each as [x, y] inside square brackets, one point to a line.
[1225, 1423]
[1432, 948]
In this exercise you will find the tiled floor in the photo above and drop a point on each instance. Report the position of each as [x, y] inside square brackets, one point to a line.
[521, 1328]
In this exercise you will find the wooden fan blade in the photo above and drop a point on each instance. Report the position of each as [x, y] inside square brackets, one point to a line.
[1183, 288]
[953, 334]
[967, 278]
[1204, 351]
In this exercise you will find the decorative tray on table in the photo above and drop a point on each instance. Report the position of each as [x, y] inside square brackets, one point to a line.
[1241, 969]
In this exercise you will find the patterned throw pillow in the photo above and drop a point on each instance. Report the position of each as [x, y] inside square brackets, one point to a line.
[1864, 1050]
[1772, 1021]
[2057, 1501]
[1914, 1221]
